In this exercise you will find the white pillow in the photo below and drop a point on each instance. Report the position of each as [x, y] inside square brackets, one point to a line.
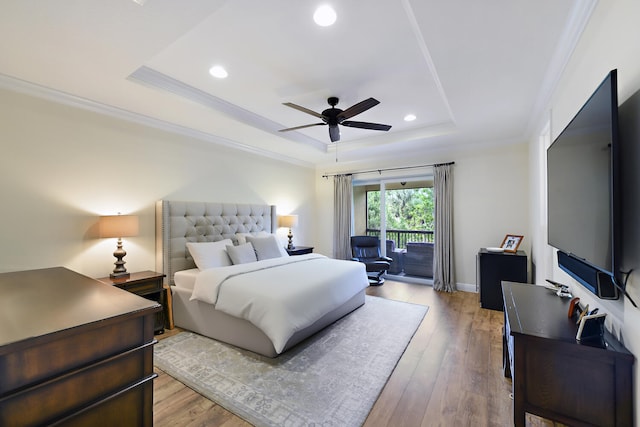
[242, 237]
[241, 254]
[210, 254]
[266, 247]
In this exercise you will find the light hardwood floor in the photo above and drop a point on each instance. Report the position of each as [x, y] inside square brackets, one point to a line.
[449, 375]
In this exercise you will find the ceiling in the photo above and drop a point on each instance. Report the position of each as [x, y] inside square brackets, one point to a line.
[473, 72]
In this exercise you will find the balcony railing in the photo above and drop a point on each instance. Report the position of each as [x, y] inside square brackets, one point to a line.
[401, 237]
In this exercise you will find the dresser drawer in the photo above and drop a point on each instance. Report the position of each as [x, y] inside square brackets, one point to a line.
[133, 407]
[139, 283]
[48, 357]
[52, 399]
[143, 287]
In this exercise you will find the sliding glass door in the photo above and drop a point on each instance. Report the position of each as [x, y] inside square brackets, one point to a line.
[400, 213]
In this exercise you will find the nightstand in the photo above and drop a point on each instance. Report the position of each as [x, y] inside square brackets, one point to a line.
[300, 250]
[147, 284]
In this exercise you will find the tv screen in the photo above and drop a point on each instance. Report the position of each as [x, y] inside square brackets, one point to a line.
[582, 183]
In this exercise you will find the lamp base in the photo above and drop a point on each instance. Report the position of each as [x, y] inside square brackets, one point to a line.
[119, 272]
[290, 245]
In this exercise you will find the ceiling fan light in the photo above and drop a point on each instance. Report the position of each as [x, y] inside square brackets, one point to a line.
[409, 117]
[325, 16]
[218, 72]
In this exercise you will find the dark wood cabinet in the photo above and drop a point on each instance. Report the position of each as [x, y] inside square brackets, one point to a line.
[492, 269]
[147, 284]
[300, 250]
[74, 351]
[554, 375]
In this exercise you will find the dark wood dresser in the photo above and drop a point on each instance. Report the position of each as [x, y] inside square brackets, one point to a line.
[554, 375]
[492, 269]
[74, 351]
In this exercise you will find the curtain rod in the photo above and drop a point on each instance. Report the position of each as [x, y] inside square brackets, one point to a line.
[327, 175]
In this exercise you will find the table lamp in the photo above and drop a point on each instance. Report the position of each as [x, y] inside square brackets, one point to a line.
[288, 221]
[119, 226]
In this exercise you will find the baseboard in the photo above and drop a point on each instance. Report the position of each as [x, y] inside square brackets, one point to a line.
[410, 279]
[463, 287]
[467, 287]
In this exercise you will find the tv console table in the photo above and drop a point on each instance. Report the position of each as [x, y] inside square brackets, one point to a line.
[555, 376]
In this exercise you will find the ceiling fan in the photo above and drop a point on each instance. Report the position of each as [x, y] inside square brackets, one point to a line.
[334, 116]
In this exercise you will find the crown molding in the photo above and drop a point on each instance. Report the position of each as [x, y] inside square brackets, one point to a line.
[27, 88]
[426, 54]
[155, 79]
[576, 24]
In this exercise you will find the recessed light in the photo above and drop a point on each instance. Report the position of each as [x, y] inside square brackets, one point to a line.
[218, 72]
[325, 16]
[409, 117]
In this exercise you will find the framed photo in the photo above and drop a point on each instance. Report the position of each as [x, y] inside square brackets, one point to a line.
[511, 242]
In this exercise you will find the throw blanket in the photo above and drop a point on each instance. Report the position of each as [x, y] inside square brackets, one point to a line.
[281, 295]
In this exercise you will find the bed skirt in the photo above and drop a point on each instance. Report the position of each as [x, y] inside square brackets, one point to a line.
[201, 318]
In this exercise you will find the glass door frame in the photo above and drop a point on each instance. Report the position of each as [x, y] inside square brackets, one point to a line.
[382, 182]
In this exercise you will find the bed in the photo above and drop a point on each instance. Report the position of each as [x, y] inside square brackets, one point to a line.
[314, 289]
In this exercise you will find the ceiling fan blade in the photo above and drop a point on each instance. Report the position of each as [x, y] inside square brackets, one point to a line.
[302, 127]
[303, 109]
[366, 125]
[334, 133]
[358, 108]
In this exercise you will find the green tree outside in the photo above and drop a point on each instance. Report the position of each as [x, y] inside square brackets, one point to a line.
[405, 209]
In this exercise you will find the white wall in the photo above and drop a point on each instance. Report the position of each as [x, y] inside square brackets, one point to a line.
[609, 41]
[62, 167]
[491, 200]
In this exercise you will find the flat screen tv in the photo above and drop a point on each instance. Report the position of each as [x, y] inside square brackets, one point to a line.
[583, 193]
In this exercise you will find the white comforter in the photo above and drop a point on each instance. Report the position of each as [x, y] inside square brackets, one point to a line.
[282, 295]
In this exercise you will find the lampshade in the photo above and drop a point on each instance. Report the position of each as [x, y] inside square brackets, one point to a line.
[288, 221]
[118, 226]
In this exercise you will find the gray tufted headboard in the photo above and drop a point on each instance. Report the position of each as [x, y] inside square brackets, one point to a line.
[180, 222]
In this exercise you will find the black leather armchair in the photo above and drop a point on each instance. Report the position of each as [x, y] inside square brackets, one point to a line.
[366, 249]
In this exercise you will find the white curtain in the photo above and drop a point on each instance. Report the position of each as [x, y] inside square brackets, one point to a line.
[443, 274]
[342, 195]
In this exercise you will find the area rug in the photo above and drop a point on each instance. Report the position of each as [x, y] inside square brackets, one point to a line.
[330, 379]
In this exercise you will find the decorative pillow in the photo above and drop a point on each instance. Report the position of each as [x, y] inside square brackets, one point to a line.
[282, 245]
[210, 254]
[242, 237]
[266, 247]
[241, 254]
